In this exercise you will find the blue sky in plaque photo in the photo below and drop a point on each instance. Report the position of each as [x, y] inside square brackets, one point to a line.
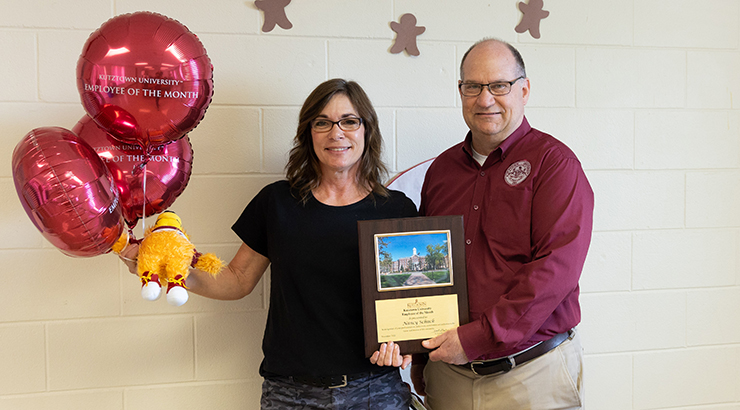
[402, 246]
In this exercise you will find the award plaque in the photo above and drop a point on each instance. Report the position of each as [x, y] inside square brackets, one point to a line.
[413, 280]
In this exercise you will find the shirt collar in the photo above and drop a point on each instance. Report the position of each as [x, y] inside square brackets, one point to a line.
[505, 146]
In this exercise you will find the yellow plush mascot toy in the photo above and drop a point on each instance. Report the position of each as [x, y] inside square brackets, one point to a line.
[165, 257]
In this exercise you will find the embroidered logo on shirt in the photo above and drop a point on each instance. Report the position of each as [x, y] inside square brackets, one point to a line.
[517, 172]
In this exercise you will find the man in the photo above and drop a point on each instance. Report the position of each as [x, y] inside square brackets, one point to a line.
[527, 208]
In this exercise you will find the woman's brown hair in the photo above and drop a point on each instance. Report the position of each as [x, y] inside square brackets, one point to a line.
[303, 170]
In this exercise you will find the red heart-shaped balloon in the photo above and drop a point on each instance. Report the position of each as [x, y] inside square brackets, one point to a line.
[67, 191]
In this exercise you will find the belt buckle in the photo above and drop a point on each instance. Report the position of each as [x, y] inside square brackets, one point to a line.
[472, 367]
[509, 363]
[344, 383]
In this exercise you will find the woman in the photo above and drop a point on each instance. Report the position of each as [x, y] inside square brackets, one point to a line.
[305, 227]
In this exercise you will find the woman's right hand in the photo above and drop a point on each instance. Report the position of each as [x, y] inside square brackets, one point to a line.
[128, 255]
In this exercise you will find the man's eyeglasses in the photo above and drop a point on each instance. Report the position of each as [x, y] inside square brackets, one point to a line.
[345, 124]
[496, 88]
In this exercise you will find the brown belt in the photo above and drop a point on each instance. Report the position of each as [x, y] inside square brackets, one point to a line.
[333, 382]
[507, 363]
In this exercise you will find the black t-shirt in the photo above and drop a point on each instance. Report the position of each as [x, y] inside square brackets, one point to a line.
[314, 325]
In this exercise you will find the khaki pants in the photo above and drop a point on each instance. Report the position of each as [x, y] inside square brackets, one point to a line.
[549, 382]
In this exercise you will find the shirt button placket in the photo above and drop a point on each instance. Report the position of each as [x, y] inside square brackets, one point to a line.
[480, 185]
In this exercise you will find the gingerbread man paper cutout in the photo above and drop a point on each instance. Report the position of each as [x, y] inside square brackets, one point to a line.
[532, 14]
[274, 14]
[406, 32]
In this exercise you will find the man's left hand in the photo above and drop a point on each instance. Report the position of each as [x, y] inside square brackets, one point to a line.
[447, 348]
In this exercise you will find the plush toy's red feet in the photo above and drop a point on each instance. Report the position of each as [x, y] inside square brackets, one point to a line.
[150, 287]
[176, 293]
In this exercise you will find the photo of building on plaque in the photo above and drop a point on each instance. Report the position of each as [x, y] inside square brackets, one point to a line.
[413, 260]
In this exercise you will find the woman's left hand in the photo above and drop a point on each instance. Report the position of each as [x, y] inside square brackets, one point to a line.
[389, 354]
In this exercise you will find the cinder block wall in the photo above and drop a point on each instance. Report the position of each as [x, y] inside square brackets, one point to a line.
[642, 90]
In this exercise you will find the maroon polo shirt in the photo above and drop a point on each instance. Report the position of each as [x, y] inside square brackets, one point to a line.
[528, 218]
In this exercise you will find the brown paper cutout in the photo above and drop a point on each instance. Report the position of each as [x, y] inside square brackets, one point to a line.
[406, 32]
[274, 11]
[532, 14]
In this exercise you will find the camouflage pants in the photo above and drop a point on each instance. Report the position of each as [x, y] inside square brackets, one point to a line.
[376, 392]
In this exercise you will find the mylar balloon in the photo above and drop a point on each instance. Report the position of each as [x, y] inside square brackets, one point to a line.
[67, 192]
[145, 79]
[167, 170]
